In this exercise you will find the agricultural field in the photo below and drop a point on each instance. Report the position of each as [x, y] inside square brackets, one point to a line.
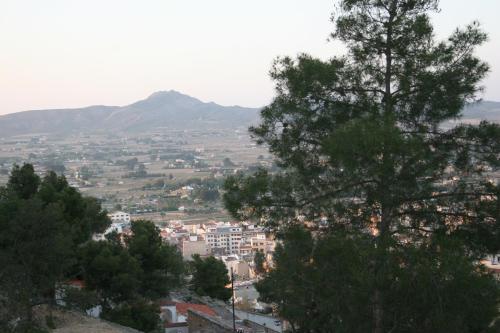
[160, 176]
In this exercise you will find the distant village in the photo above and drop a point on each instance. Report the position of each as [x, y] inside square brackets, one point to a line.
[175, 181]
[235, 244]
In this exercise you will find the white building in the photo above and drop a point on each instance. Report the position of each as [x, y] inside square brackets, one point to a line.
[118, 227]
[119, 217]
[262, 244]
[120, 222]
[238, 266]
[225, 238]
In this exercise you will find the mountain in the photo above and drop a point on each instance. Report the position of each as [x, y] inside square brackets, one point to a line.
[166, 110]
[475, 113]
[485, 110]
[161, 110]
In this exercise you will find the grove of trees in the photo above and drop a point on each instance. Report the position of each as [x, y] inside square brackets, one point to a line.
[129, 276]
[42, 223]
[46, 240]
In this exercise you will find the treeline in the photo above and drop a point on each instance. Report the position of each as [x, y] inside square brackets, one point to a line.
[46, 245]
[125, 276]
[206, 189]
[43, 223]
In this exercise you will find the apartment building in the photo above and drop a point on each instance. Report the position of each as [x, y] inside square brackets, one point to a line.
[224, 238]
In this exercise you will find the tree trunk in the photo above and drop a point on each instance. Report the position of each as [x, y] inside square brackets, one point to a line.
[378, 312]
[385, 218]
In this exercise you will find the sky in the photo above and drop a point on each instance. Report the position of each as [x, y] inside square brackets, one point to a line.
[75, 53]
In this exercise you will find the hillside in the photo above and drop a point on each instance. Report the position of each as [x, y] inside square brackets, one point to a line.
[483, 110]
[163, 110]
[67, 321]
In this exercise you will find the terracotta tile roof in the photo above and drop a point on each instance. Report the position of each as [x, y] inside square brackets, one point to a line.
[166, 302]
[183, 308]
[80, 284]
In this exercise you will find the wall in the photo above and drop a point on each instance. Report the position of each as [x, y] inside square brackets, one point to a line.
[201, 323]
[197, 247]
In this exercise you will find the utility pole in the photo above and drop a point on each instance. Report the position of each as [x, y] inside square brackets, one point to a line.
[232, 292]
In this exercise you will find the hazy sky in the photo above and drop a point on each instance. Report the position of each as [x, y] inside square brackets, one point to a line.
[72, 53]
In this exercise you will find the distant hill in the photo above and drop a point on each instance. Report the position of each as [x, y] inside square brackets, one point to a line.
[162, 110]
[477, 112]
[486, 110]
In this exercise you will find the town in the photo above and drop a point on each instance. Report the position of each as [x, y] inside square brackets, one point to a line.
[250, 167]
[174, 180]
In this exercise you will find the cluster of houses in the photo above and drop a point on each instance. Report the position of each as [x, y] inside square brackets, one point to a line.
[178, 316]
[233, 243]
[181, 317]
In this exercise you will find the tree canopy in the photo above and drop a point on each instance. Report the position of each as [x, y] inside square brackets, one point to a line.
[43, 221]
[364, 151]
[130, 275]
[210, 278]
[259, 260]
[325, 284]
[161, 263]
[46, 239]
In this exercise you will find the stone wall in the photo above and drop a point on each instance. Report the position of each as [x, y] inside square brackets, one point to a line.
[201, 323]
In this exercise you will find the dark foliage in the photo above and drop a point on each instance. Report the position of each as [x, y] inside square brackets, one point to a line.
[141, 315]
[363, 154]
[42, 223]
[210, 278]
[161, 264]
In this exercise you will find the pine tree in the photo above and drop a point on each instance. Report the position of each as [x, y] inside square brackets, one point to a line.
[365, 147]
[160, 262]
[210, 278]
[42, 222]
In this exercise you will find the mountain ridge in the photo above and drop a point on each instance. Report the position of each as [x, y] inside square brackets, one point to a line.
[162, 109]
[166, 110]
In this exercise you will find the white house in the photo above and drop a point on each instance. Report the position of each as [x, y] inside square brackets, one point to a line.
[119, 217]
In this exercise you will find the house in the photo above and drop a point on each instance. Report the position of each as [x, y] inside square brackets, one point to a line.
[118, 217]
[175, 315]
[118, 227]
[239, 267]
[61, 293]
[191, 245]
[120, 223]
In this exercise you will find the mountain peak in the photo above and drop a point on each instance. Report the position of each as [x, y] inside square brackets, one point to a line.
[170, 97]
[166, 93]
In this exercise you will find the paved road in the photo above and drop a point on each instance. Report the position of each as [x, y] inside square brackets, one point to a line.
[270, 322]
[247, 292]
